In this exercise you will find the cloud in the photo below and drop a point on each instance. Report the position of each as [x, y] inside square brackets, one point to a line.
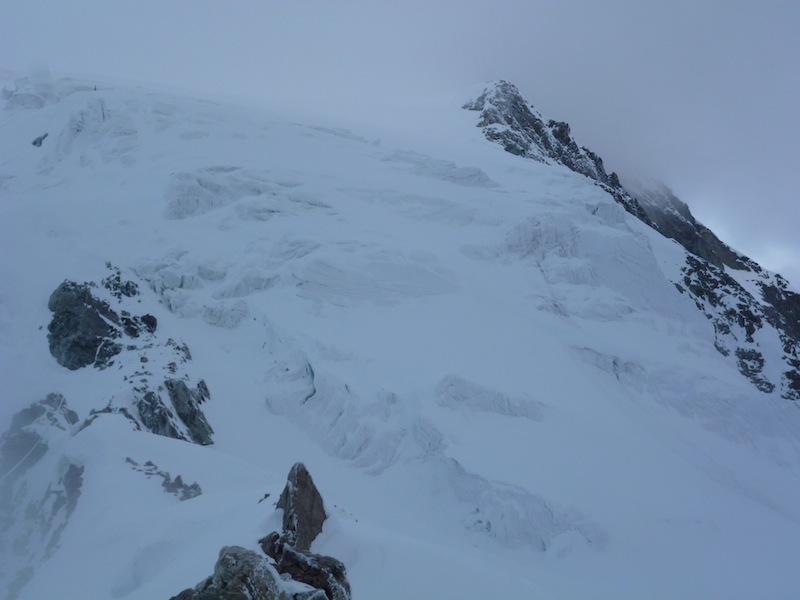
[700, 94]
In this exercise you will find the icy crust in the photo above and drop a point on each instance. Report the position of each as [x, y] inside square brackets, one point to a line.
[575, 251]
[379, 433]
[96, 131]
[722, 408]
[221, 293]
[41, 90]
[456, 393]
[191, 194]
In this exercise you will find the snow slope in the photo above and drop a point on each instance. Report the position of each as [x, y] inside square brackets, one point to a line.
[482, 360]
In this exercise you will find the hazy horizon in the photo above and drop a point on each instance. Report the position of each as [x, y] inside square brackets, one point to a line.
[699, 95]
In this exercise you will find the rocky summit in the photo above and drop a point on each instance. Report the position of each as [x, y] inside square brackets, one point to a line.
[506, 118]
[293, 573]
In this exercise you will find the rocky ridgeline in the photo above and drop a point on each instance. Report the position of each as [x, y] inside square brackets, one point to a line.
[673, 218]
[736, 313]
[86, 330]
[507, 119]
[737, 318]
[287, 570]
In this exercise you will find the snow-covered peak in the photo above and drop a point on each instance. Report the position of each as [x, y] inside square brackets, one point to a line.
[506, 118]
[497, 375]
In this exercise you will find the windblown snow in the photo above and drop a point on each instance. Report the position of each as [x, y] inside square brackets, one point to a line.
[483, 360]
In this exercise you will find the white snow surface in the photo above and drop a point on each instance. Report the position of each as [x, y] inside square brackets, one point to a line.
[482, 360]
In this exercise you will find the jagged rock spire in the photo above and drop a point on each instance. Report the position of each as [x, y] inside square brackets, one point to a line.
[507, 119]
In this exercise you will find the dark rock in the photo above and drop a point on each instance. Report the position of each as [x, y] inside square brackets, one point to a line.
[783, 309]
[737, 316]
[149, 323]
[751, 364]
[54, 410]
[176, 486]
[241, 574]
[303, 517]
[791, 383]
[83, 328]
[186, 403]
[134, 326]
[151, 407]
[674, 220]
[119, 288]
[735, 312]
[507, 119]
[179, 488]
[187, 422]
[303, 510]
[64, 496]
[321, 572]
[155, 416]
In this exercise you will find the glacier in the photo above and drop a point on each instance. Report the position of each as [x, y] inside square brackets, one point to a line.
[510, 374]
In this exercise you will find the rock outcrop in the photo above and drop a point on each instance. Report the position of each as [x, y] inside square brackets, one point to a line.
[303, 517]
[303, 510]
[242, 574]
[736, 312]
[507, 119]
[733, 309]
[83, 330]
[321, 572]
[182, 491]
[288, 570]
[674, 220]
[95, 325]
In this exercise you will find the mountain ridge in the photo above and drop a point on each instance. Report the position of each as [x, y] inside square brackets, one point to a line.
[507, 119]
[484, 361]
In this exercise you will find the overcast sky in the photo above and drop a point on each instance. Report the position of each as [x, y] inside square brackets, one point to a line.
[702, 94]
